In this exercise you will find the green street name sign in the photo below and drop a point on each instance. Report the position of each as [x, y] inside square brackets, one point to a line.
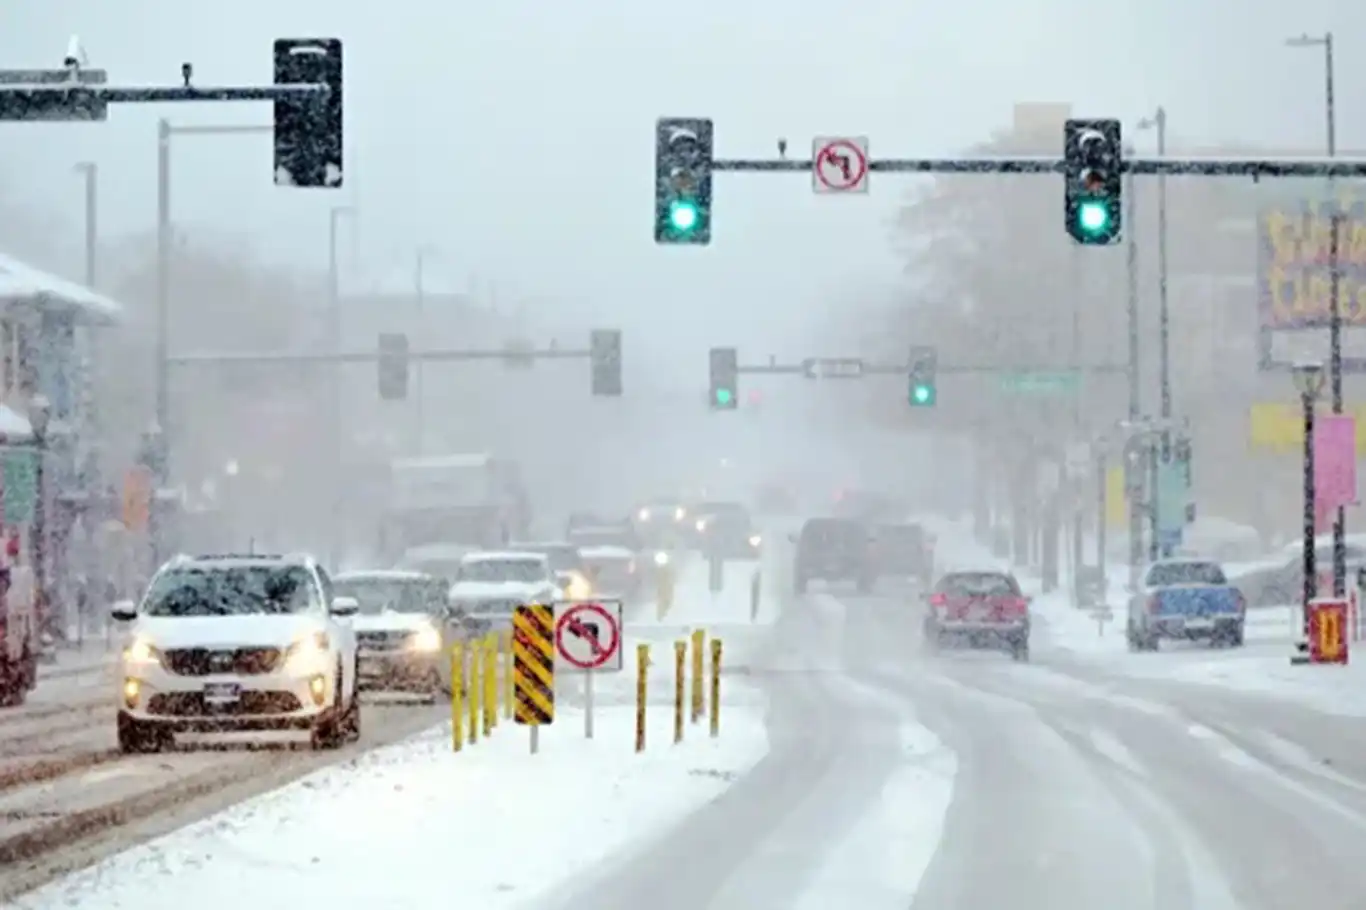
[1041, 383]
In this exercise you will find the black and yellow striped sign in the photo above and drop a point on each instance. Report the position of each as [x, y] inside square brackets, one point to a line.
[533, 664]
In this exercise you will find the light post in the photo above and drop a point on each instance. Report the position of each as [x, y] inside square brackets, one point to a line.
[91, 171]
[165, 130]
[335, 345]
[39, 419]
[1325, 41]
[1309, 379]
[1158, 121]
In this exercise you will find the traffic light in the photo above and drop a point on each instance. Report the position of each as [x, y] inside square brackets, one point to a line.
[683, 156]
[308, 132]
[923, 388]
[393, 366]
[725, 376]
[1093, 156]
[605, 353]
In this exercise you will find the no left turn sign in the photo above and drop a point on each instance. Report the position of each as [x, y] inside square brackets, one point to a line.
[588, 635]
[839, 164]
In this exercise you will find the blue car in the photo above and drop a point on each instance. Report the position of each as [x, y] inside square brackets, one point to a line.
[1187, 600]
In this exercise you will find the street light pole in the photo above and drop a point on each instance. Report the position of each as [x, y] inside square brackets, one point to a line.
[1131, 307]
[91, 171]
[165, 130]
[334, 320]
[420, 293]
[1308, 379]
[1325, 41]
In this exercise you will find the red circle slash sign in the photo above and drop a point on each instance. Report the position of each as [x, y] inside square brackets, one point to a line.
[845, 157]
[593, 624]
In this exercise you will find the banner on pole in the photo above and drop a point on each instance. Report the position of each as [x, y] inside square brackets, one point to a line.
[1335, 461]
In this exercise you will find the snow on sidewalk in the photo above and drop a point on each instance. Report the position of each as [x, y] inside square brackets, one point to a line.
[417, 826]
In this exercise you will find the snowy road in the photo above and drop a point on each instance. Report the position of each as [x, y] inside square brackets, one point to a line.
[1075, 787]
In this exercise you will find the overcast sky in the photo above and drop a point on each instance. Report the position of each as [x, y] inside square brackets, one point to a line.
[516, 137]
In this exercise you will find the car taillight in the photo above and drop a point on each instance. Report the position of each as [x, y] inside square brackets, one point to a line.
[1154, 604]
[939, 600]
[1241, 601]
[1017, 606]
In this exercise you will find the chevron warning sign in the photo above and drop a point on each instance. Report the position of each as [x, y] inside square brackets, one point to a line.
[533, 664]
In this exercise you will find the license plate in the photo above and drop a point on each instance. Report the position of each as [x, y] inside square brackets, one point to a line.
[1199, 624]
[370, 666]
[222, 693]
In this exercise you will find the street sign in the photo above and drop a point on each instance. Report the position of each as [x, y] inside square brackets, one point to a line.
[1328, 636]
[20, 469]
[588, 635]
[839, 164]
[1041, 383]
[73, 107]
[533, 665]
[833, 368]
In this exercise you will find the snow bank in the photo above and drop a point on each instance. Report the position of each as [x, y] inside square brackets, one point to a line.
[417, 826]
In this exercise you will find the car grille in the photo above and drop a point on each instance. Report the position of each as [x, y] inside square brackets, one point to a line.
[206, 661]
[191, 704]
[382, 641]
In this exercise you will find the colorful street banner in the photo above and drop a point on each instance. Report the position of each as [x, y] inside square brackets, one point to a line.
[1279, 426]
[1294, 279]
[1335, 461]
[1172, 497]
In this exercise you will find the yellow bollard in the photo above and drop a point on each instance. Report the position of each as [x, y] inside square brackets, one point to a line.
[509, 681]
[642, 669]
[680, 686]
[715, 687]
[699, 637]
[474, 692]
[490, 682]
[457, 685]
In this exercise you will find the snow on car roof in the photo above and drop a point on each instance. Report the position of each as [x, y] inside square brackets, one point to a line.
[382, 575]
[534, 545]
[503, 556]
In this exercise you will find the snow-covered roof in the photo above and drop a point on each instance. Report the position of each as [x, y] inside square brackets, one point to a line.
[417, 462]
[503, 556]
[381, 575]
[22, 283]
[14, 427]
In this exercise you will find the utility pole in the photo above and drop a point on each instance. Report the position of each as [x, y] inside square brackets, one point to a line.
[1131, 310]
[337, 416]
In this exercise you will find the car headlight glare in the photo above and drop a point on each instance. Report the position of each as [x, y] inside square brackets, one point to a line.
[643, 514]
[310, 649]
[680, 514]
[141, 651]
[579, 589]
[755, 540]
[426, 640]
[700, 524]
[661, 558]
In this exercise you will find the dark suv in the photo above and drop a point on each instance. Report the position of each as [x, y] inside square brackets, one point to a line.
[834, 549]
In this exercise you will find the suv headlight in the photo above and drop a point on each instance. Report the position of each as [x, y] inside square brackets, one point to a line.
[309, 651]
[141, 652]
[426, 641]
[755, 540]
[661, 558]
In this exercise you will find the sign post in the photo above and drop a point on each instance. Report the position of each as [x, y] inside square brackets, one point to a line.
[1328, 638]
[588, 638]
[533, 668]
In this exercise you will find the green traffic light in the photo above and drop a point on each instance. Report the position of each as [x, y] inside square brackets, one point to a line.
[683, 216]
[1093, 217]
[922, 395]
[724, 396]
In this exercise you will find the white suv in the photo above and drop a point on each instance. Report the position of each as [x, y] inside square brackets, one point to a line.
[223, 643]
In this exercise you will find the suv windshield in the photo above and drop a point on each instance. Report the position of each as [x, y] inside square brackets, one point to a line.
[978, 584]
[393, 595]
[603, 537]
[494, 570]
[1185, 573]
[231, 591]
[833, 534]
[562, 557]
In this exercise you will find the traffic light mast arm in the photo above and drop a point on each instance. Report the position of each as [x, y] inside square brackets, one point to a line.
[145, 94]
[1255, 168]
[434, 356]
